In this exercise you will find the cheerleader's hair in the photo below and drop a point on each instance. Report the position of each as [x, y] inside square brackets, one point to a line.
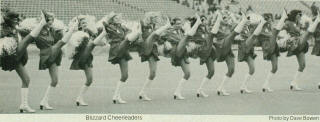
[293, 14]
[89, 20]
[149, 15]
[7, 16]
[8, 46]
[76, 40]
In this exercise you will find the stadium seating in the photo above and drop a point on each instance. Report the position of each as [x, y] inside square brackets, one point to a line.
[66, 9]
[131, 9]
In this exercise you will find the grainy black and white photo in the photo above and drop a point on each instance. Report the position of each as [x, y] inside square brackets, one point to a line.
[161, 57]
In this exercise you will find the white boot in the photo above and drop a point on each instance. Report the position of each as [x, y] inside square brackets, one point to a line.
[243, 88]
[294, 85]
[177, 94]
[314, 25]
[200, 92]
[116, 97]
[142, 93]
[221, 90]
[79, 100]
[266, 87]
[24, 107]
[241, 25]
[44, 102]
[281, 22]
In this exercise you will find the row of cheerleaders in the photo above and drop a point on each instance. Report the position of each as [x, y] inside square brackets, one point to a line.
[208, 38]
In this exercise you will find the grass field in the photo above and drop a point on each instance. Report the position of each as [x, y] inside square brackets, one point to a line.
[281, 101]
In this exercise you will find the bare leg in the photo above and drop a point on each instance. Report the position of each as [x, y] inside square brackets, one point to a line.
[124, 76]
[152, 75]
[186, 70]
[24, 106]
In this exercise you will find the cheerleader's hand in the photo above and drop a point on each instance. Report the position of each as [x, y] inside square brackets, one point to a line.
[43, 20]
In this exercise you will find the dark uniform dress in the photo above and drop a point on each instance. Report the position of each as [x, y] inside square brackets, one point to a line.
[222, 51]
[116, 33]
[9, 62]
[203, 38]
[244, 52]
[80, 60]
[268, 48]
[316, 47]
[174, 36]
[146, 31]
[293, 45]
[46, 39]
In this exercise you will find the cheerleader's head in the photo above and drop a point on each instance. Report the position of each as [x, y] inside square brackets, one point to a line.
[152, 18]
[49, 18]
[83, 22]
[176, 23]
[10, 18]
[294, 15]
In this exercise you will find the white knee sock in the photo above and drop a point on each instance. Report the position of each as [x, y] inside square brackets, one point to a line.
[117, 91]
[296, 78]
[146, 85]
[269, 77]
[180, 86]
[83, 90]
[246, 79]
[204, 81]
[47, 94]
[225, 79]
[24, 96]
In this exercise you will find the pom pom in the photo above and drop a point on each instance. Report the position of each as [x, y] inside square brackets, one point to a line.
[305, 20]
[75, 41]
[29, 23]
[282, 39]
[58, 25]
[90, 20]
[254, 19]
[8, 46]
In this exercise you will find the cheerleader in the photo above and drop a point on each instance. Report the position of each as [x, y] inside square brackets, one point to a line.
[270, 47]
[50, 41]
[246, 48]
[297, 43]
[316, 47]
[223, 43]
[12, 57]
[83, 42]
[120, 39]
[179, 51]
[149, 49]
[205, 51]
